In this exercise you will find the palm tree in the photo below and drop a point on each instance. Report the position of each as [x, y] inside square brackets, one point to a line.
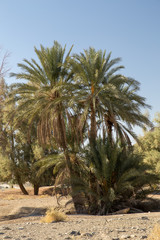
[105, 97]
[45, 98]
[118, 175]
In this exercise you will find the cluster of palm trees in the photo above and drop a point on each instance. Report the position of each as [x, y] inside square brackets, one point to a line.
[85, 110]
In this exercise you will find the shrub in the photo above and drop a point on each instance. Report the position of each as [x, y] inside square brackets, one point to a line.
[53, 216]
[113, 175]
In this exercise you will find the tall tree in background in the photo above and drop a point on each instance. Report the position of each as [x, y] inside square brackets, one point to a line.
[3, 86]
[3, 64]
[150, 145]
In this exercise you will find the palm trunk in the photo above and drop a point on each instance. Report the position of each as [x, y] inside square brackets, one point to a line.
[109, 125]
[17, 176]
[109, 131]
[68, 163]
[24, 191]
[93, 132]
[36, 189]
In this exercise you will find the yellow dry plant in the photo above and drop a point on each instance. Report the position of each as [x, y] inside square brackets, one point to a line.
[53, 216]
[155, 234]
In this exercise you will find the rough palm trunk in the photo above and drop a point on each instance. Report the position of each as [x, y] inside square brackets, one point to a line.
[69, 164]
[109, 131]
[109, 125]
[36, 189]
[93, 204]
[93, 132]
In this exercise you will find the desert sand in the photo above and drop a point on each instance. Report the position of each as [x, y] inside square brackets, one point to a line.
[20, 218]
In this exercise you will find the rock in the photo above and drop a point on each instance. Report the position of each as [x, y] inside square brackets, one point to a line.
[121, 231]
[6, 228]
[1, 233]
[7, 237]
[89, 234]
[21, 228]
[134, 227]
[75, 233]
[125, 236]
[143, 237]
[144, 218]
[109, 220]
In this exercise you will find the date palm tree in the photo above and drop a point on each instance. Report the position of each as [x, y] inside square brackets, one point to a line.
[45, 98]
[108, 99]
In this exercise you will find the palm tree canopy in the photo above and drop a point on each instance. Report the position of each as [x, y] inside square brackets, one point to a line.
[43, 98]
[105, 96]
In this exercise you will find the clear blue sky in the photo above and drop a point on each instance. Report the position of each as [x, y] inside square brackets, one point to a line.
[128, 28]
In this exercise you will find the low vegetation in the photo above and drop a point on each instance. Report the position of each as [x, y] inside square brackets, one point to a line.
[53, 215]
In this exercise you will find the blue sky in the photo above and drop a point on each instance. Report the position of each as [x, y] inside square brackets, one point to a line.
[128, 28]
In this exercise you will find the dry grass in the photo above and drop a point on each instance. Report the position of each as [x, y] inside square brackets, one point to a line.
[43, 196]
[13, 193]
[155, 234]
[53, 216]
[13, 197]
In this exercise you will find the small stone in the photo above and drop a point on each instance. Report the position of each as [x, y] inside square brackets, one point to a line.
[144, 218]
[143, 237]
[7, 237]
[133, 227]
[6, 228]
[1, 233]
[109, 220]
[88, 234]
[121, 231]
[75, 233]
[125, 236]
[115, 238]
[21, 228]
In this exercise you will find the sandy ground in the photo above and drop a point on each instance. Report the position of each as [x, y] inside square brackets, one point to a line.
[20, 219]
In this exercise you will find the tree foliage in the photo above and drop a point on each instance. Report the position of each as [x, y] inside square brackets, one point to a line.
[75, 114]
[150, 145]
